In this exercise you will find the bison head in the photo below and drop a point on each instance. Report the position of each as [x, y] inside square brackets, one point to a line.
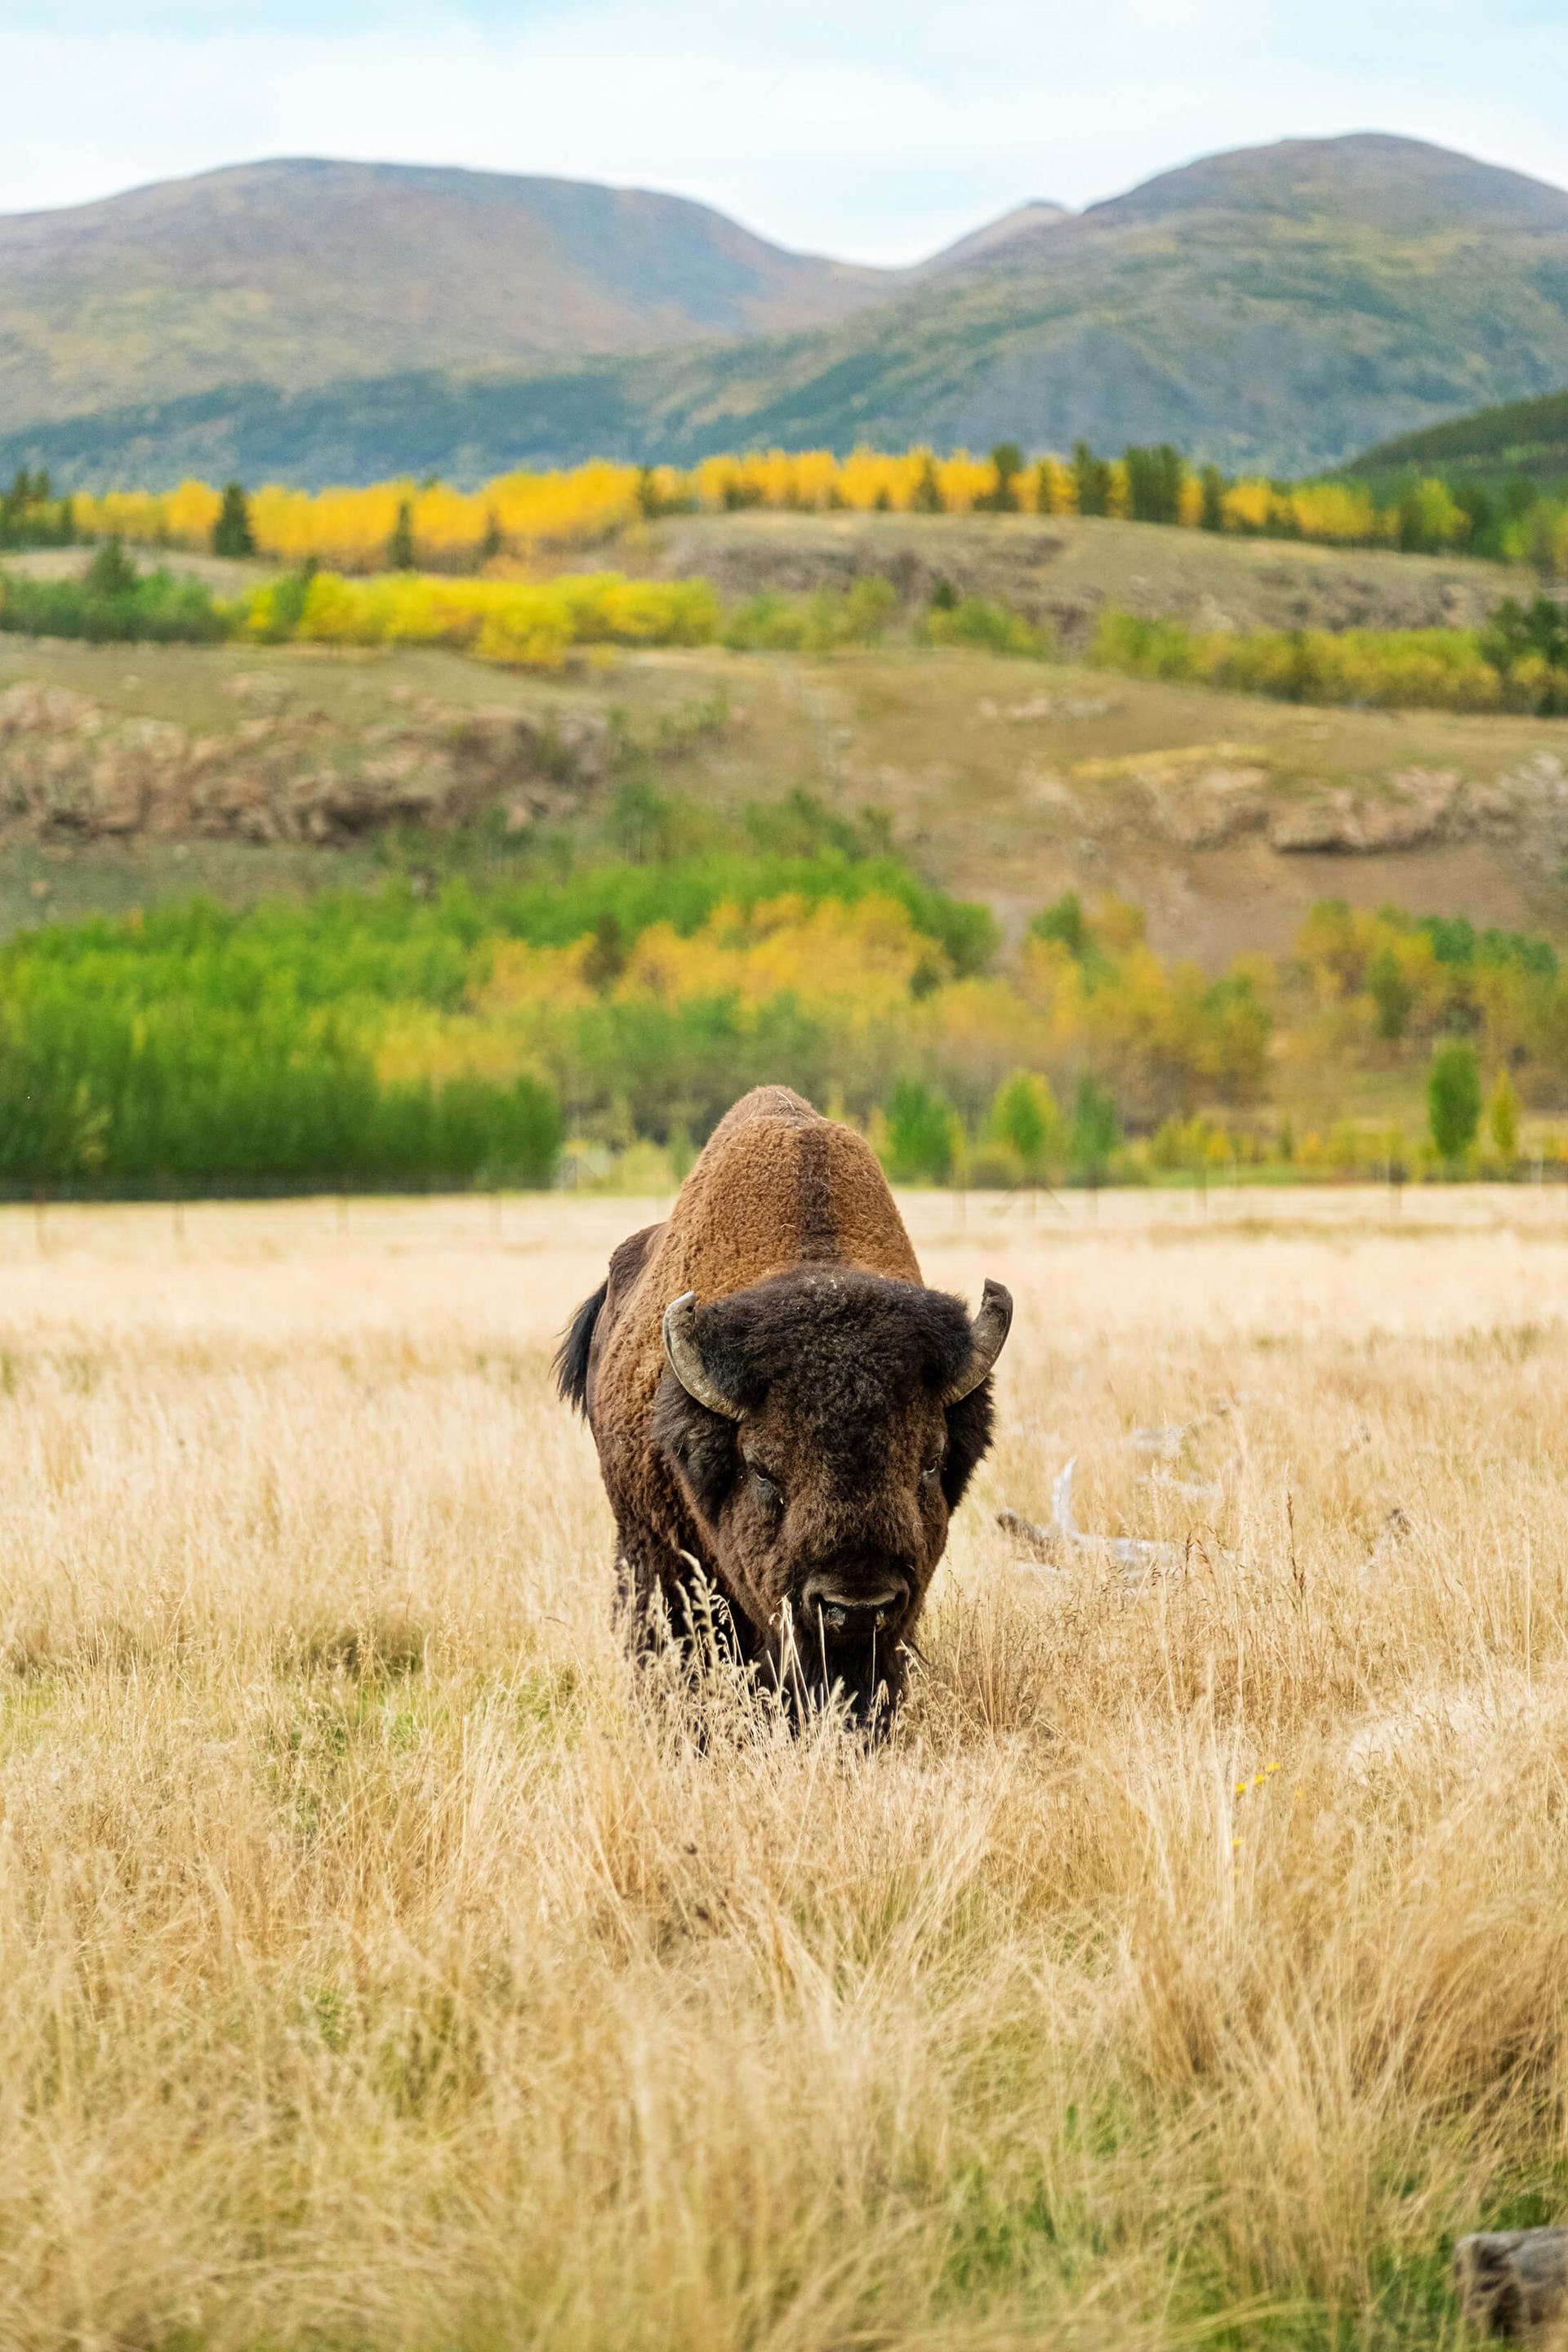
[822, 1425]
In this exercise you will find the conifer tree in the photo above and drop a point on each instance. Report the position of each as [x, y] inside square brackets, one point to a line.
[1092, 476]
[232, 534]
[927, 498]
[400, 546]
[1006, 464]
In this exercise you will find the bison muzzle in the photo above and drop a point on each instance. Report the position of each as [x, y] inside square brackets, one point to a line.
[785, 1416]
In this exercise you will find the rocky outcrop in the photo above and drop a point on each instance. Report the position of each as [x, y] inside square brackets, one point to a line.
[69, 767]
[1215, 805]
[1414, 807]
[1210, 796]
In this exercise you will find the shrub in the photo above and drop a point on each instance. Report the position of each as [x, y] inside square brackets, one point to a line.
[988, 627]
[1453, 1100]
[1445, 669]
[112, 602]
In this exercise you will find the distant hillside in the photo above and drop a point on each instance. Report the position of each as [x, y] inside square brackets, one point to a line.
[1524, 439]
[1278, 309]
[299, 273]
[995, 239]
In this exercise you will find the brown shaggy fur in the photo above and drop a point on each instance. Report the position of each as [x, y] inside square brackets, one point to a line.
[844, 1461]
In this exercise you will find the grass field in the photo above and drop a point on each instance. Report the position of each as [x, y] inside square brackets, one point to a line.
[382, 1967]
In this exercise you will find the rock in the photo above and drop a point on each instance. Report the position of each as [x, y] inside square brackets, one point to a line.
[1510, 2280]
[1320, 824]
[1542, 777]
[31, 707]
[119, 797]
[1426, 804]
[69, 766]
[1219, 804]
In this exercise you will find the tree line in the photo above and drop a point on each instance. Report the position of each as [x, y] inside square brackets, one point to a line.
[473, 1036]
[435, 526]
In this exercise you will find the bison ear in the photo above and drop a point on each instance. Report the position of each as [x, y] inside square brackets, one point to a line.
[987, 1336]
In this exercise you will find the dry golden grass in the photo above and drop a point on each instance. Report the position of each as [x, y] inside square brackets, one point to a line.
[383, 1967]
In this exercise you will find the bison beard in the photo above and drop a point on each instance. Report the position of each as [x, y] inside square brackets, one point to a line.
[785, 1416]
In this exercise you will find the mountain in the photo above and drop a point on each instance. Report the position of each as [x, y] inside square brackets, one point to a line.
[1525, 439]
[1402, 187]
[299, 273]
[995, 239]
[1277, 307]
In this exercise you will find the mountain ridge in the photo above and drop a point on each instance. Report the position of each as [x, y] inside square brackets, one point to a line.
[1276, 308]
[299, 270]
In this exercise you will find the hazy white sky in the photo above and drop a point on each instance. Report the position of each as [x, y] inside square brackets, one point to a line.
[876, 129]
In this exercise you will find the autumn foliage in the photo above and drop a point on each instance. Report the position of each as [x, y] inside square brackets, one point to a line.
[512, 518]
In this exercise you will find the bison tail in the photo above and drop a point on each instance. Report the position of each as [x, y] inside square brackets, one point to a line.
[572, 1356]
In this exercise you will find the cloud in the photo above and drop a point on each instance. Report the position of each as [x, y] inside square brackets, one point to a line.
[877, 130]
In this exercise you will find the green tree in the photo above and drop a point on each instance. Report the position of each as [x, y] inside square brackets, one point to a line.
[1092, 476]
[111, 573]
[1428, 519]
[400, 554]
[1026, 1118]
[607, 957]
[921, 1133]
[1155, 483]
[1212, 516]
[1454, 1099]
[1391, 993]
[1502, 1119]
[1006, 464]
[1094, 1130]
[926, 497]
[232, 534]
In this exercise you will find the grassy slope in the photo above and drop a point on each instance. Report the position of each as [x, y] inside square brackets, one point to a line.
[1062, 569]
[993, 774]
[1006, 807]
[1281, 308]
[1523, 437]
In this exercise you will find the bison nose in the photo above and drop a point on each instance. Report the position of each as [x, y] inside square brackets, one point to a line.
[855, 1604]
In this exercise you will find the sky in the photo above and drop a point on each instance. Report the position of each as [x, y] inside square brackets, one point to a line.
[876, 130]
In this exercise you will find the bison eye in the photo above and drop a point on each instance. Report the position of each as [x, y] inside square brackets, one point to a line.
[929, 1476]
[768, 1490]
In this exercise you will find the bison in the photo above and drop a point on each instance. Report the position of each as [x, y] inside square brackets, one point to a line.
[785, 1416]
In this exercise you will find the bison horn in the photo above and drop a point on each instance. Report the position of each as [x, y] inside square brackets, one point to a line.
[988, 1330]
[685, 1354]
